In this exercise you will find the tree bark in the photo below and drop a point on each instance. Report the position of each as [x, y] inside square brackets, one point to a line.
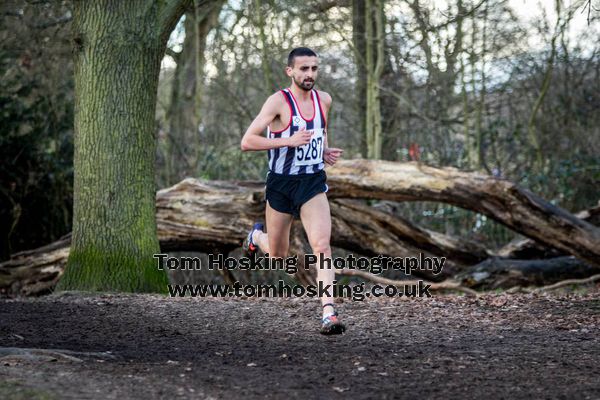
[398, 232]
[118, 49]
[527, 249]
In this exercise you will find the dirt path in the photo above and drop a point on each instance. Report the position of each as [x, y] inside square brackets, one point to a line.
[497, 346]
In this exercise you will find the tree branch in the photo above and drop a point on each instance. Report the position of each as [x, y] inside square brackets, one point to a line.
[326, 5]
[170, 13]
[447, 284]
[172, 53]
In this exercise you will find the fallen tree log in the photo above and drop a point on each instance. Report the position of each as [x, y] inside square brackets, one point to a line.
[365, 231]
[527, 249]
[463, 251]
[209, 216]
[213, 217]
[501, 273]
[34, 272]
[502, 200]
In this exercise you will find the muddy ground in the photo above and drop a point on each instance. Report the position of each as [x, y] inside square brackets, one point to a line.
[498, 346]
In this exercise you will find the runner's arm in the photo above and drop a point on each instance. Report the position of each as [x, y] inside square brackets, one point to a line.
[253, 139]
[330, 154]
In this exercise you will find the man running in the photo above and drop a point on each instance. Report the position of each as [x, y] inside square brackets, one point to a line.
[296, 123]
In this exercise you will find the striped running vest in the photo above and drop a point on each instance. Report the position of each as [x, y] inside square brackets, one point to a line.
[306, 159]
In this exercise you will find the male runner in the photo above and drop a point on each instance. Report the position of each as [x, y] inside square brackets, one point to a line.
[296, 141]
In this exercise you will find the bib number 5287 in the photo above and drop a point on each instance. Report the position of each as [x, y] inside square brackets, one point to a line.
[312, 152]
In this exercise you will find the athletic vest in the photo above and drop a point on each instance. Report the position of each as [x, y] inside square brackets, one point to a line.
[306, 159]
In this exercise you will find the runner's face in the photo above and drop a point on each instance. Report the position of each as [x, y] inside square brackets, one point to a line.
[305, 71]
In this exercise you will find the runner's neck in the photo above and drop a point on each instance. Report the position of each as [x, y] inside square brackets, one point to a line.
[300, 94]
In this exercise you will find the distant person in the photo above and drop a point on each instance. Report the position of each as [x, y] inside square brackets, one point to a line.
[296, 123]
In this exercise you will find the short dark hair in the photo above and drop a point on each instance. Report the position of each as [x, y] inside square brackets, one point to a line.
[299, 52]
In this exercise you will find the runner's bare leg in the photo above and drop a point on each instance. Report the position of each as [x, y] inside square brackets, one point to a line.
[316, 219]
[277, 241]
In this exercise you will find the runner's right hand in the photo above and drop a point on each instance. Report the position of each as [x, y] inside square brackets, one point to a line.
[300, 138]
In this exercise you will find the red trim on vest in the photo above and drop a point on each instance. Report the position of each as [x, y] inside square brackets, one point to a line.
[289, 122]
[320, 109]
[298, 106]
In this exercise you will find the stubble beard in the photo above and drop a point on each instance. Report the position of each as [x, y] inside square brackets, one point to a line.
[306, 86]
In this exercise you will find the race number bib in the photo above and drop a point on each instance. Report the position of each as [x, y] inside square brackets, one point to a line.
[312, 152]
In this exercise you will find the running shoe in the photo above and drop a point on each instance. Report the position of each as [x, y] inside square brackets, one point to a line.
[332, 325]
[249, 246]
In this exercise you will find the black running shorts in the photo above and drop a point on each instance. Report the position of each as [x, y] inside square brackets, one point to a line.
[287, 193]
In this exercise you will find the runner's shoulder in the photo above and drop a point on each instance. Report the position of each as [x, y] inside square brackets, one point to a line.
[276, 100]
[325, 97]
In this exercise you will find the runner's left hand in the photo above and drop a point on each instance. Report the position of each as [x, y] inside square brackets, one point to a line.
[331, 155]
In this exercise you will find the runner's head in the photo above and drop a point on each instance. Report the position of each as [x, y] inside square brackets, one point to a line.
[302, 67]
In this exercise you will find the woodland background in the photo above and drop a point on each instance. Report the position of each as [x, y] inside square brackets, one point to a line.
[510, 88]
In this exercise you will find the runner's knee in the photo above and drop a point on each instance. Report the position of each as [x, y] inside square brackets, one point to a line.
[321, 246]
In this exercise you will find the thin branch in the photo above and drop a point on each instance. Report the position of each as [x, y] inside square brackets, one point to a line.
[566, 282]
[447, 284]
[460, 15]
[172, 53]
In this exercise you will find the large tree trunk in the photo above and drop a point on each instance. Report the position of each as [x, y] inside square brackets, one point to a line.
[118, 49]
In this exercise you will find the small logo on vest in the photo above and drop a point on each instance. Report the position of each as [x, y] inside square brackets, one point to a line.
[299, 122]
